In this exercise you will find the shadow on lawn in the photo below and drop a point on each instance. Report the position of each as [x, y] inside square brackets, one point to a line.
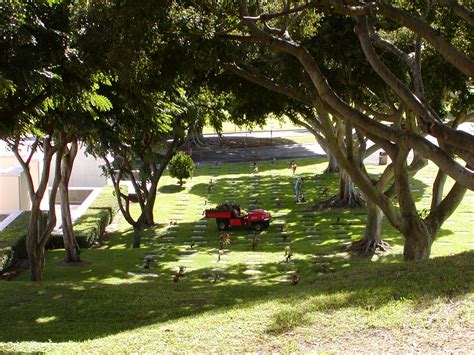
[62, 312]
[171, 189]
[57, 311]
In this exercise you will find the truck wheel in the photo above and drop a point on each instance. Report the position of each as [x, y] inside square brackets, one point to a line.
[258, 227]
[222, 225]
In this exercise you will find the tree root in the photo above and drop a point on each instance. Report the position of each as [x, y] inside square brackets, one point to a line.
[366, 247]
[331, 169]
[196, 141]
[353, 201]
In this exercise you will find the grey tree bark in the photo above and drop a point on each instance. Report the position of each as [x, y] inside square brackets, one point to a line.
[40, 226]
[332, 164]
[71, 246]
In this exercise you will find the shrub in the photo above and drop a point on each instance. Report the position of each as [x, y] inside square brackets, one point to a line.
[91, 225]
[12, 241]
[181, 166]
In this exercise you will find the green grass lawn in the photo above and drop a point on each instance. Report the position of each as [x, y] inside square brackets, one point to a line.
[111, 303]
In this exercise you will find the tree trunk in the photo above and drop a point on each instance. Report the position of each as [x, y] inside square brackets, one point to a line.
[332, 164]
[34, 249]
[151, 198]
[372, 241]
[71, 246]
[418, 240]
[137, 233]
[195, 137]
[347, 194]
[40, 226]
[148, 215]
[36, 259]
[347, 197]
[418, 236]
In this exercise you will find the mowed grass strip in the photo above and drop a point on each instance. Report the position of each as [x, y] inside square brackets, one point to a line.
[112, 303]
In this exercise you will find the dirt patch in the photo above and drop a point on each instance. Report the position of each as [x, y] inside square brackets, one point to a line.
[410, 340]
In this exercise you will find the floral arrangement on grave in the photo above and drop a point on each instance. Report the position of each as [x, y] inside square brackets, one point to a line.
[148, 259]
[288, 253]
[325, 267]
[295, 279]
[179, 274]
[325, 191]
[181, 166]
[224, 240]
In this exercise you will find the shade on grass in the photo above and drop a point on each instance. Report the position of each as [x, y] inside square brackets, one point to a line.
[112, 303]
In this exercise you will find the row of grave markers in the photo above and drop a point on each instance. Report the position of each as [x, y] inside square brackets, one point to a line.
[254, 273]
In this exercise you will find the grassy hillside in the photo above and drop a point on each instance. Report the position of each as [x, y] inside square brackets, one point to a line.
[242, 298]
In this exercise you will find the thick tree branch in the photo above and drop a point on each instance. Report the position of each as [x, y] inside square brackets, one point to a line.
[446, 207]
[269, 84]
[459, 139]
[460, 10]
[387, 117]
[458, 59]
[26, 107]
[327, 94]
[286, 12]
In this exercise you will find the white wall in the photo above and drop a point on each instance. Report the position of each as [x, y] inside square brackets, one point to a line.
[13, 190]
[86, 171]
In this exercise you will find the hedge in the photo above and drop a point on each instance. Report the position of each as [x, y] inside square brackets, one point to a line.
[91, 225]
[12, 241]
[87, 229]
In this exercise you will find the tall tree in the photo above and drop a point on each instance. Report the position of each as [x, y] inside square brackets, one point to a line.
[272, 29]
[49, 91]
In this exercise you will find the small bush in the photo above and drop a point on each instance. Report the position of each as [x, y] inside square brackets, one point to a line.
[181, 166]
[12, 241]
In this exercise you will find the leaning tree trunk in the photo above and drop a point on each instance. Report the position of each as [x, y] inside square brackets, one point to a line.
[372, 241]
[71, 246]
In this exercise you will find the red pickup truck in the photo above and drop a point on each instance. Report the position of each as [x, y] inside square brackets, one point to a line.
[230, 215]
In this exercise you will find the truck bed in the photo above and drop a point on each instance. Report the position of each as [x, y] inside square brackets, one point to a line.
[218, 214]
